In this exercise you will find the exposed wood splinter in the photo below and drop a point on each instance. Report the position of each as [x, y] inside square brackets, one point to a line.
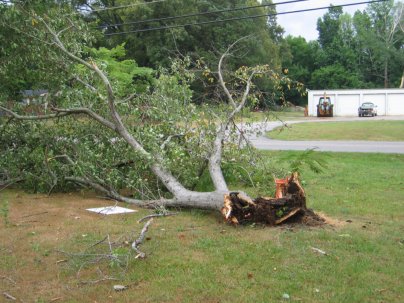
[289, 202]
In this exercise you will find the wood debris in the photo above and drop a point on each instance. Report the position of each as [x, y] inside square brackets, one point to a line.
[9, 297]
[317, 250]
[289, 203]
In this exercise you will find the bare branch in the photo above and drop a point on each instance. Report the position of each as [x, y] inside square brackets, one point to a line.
[169, 139]
[165, 214]
[222, 83]
[61, 113]
[85, 181]
[71, 162]
[245, 95]
[88, 112]
[8, 296]
[90, 87]
[140, 239]
[41, 117]
[219, 69]
[130, 97]
[63, 30]
[111, 193]
[216, 155]
[9, 182]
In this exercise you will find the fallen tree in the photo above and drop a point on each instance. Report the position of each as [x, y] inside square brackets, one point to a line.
[119, 122]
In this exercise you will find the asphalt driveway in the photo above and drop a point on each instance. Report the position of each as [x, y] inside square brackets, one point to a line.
[264, 143]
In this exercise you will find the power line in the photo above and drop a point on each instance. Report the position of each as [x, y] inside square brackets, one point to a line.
[121, 6]
[201, 14]
[239, 18]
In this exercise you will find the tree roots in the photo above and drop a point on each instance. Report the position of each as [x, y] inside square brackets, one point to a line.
[288, 205]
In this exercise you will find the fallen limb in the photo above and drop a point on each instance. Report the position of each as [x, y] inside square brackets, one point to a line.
[165, 214]
[8, 296]
[140, 239]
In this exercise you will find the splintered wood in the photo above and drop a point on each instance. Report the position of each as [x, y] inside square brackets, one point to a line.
[289, 202]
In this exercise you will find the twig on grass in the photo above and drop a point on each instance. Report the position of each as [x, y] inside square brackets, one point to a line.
[110, 245]
[99, 242]
[111, 254]
[140, 239]
[10, 297]
[317, 250]
[9, 279]
[103, 278]
[35, 214]
[165, 214]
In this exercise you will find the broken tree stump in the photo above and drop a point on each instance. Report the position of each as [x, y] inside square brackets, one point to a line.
[289, 202]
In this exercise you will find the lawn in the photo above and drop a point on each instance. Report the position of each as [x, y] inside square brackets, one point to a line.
[354, 130]
[195, 257]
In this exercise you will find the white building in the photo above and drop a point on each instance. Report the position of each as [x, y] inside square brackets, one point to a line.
[390, 102]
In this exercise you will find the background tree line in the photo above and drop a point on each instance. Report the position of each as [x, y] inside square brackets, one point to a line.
[365, 50]
[360, 51]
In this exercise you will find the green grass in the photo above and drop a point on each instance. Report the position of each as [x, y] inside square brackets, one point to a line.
[355, 130]
[195, 257]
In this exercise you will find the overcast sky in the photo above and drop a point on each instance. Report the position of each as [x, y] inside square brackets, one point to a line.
[305, 24]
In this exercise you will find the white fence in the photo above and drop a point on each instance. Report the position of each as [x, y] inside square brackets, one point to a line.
[390, 102]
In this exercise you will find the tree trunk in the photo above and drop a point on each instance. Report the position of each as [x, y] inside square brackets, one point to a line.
[402, 81]
[288, 205]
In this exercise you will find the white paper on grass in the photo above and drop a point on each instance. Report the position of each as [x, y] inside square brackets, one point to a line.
[111, 210]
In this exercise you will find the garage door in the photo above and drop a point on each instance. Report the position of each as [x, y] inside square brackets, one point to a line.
[395, 104]
[377, 99]
[347, 105]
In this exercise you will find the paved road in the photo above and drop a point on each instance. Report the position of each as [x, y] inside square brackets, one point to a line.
[264, 143]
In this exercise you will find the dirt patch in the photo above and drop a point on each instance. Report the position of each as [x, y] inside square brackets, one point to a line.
[30, 266]
[330, 221]
[308, 218]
